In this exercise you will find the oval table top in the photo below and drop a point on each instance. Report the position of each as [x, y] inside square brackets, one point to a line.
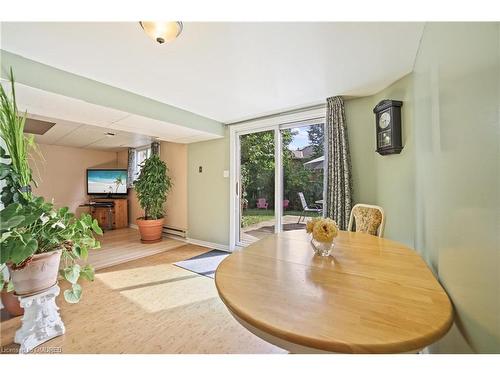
[372, 295]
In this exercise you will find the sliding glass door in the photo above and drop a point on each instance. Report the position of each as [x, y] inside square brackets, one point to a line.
[302, 174]
[257, 217]
[278, 179]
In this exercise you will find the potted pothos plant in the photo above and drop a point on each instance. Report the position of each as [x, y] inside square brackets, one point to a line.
[34, 236]
[152, 187]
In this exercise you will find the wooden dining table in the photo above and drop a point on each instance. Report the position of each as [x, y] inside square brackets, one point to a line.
[372, 295]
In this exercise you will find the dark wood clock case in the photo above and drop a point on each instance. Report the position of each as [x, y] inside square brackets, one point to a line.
[389, 140]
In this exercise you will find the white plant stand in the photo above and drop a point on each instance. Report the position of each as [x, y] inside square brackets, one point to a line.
[41, 321]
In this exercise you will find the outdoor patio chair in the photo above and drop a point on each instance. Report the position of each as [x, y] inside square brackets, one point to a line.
[262, 203]
[305, 208]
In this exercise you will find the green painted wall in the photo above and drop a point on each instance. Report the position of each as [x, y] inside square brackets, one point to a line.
[361, 133]
[208, 192]
[457, 137]
[442, 193]
[48, 78]
[387, 181]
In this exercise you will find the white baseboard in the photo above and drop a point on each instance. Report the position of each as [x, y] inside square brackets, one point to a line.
[134, 226]
[212, 245]
[177, 238]
[194, 241]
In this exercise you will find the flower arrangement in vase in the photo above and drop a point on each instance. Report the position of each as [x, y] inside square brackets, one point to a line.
[323, 232]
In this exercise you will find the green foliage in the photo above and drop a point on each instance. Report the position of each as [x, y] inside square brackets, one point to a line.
[257, 169]
[73, 294]
[257, 150]
[11, 190]
[250, 217]
[254, 216]
[36, 227]
[17, 173]
[257, 164]
[316, 136]
[87, 272]
[152, 187]
[28, 224]
[118, 182]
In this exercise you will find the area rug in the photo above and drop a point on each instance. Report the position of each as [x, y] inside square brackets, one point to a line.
[204, 264]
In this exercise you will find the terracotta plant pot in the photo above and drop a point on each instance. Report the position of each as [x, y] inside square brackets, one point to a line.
[12, 304]
[39, 274]
[151, 230]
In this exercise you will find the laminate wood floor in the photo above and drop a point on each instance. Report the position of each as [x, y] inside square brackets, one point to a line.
[148, 305]
[123, 245]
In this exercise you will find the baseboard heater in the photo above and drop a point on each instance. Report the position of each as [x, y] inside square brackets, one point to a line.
[170, 231]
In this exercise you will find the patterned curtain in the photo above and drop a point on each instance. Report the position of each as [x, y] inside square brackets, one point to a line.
[131, 167]
[155, 148]
[339, 189]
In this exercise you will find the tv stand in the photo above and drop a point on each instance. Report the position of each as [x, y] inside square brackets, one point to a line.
[110, 213]
[109, 196]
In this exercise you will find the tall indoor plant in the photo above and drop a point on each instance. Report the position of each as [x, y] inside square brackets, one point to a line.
[33, 234]
[152, 188]
[16, 172]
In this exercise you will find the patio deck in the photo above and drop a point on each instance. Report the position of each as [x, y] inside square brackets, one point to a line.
[260, 230]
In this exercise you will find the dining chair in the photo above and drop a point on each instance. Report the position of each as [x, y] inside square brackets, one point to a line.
[368, 219]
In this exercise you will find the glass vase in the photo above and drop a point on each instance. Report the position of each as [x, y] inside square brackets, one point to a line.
[323, 249]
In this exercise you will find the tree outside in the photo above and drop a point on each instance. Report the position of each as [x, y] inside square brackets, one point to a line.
[299, 145]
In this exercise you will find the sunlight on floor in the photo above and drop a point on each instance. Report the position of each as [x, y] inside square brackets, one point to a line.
[129, 277]
[146, 297]
[143, 285]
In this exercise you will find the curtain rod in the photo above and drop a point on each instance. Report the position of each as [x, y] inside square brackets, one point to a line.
[278, 114]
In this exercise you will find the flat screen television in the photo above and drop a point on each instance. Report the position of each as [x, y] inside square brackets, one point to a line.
[107, 182]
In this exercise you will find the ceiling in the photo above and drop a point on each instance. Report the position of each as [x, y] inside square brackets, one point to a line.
[72, 134]
[227, 71]
[83, 124]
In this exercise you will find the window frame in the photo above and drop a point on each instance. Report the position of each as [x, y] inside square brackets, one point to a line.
[290, 120]
[137, 168]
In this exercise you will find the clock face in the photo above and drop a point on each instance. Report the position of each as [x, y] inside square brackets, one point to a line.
[384, 120]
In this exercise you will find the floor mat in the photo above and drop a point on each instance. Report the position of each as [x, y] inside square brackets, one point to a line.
[204, 264]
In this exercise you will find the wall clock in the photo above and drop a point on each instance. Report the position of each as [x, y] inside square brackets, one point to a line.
[388, 127]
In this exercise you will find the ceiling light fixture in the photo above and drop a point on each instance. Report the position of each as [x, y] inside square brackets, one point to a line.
[162, 32]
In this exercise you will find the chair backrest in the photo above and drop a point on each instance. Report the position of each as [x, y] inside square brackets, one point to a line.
[302, 200]
[368, 218]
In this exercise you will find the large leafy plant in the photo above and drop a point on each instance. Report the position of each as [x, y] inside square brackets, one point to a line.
[28, 224]
[16, 170]
[35, 227]
[152, 187]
